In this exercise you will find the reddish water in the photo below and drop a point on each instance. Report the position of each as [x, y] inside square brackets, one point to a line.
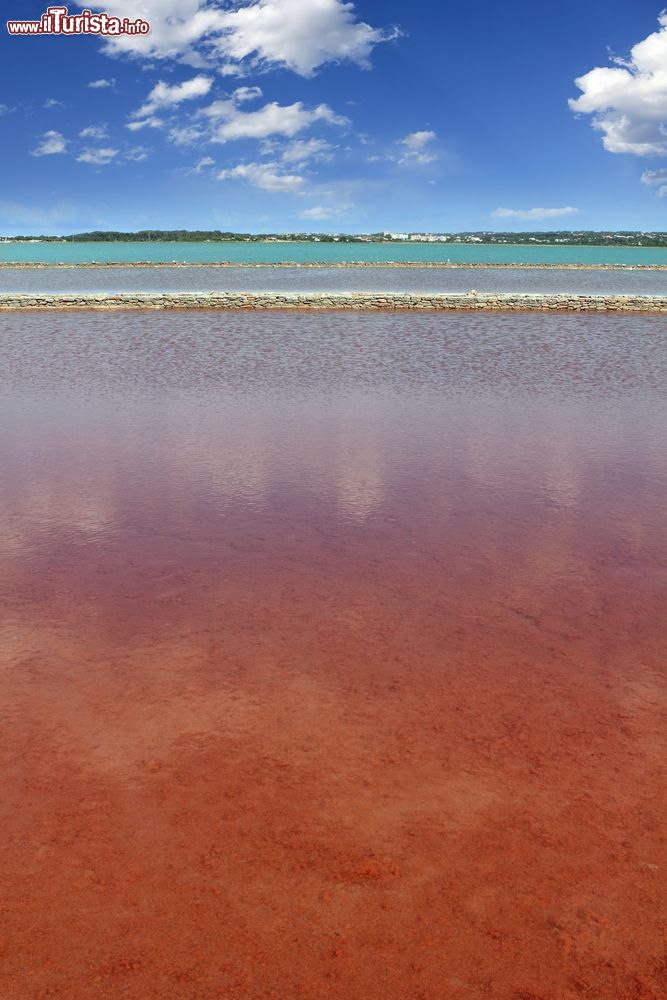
[333, 657]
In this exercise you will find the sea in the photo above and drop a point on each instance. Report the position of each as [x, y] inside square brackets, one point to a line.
[332, 253]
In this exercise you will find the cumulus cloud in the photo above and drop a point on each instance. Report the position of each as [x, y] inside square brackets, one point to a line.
[176, 26]
[416, 151]
[266, 176]
[298, 35]
[100, 84]
[98, 157]
[656, 179]
[303, 150]
[52, 142]
[272, 119]
[165, 95]
[94, 132]
[51, 102]
[533, 214]
[628, 101]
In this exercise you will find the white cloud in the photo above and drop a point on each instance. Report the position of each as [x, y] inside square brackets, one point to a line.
[176, 26]
[302, 150]
[51, 102]
[203, 164]
[319, 213]
[298, 34]
[185, 136]
[4, 109]
[416, 153]
[100, 84]
[272, 119]
[243, 94]
[98, 157]
[628, 101]
[533, 214]
[52, 142]
[656, 179]
[164, 95]
[266, 176]
[218, 109]
[136, 154]
[228, 107]
[152, 122]
[417, 140]
[94, 132]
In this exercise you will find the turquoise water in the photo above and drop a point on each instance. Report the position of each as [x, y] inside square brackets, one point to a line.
[301, 253]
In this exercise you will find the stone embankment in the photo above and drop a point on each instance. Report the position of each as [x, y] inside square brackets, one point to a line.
[337, 300]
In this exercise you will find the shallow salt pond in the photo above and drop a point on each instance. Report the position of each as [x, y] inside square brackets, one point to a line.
[618, 281]
[333, 655]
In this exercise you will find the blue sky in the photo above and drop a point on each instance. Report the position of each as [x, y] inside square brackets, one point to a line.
[271, 115]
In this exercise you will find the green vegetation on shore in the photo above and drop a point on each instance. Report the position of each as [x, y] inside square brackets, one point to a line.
[560, 238]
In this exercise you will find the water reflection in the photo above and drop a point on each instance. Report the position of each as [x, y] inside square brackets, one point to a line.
[106, 419]
[277, 438]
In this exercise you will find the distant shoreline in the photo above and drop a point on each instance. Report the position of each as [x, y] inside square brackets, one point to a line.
[338, 243]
